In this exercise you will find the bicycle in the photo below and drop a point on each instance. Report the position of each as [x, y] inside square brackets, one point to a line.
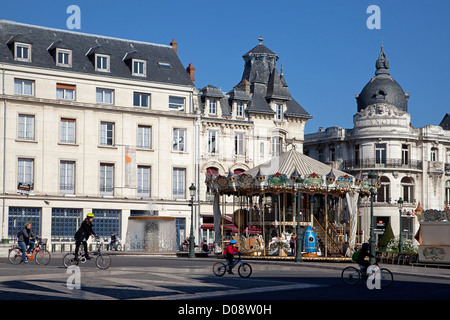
[352, 275]
[102, 261]
[244, 269]
[40, 255]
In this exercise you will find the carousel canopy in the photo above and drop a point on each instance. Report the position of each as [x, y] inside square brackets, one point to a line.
[292, 170]
[291, 161]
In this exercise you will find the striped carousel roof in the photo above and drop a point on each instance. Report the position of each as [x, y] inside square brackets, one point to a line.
[293, 160]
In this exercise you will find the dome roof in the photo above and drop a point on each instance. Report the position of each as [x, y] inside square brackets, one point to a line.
[383, 88]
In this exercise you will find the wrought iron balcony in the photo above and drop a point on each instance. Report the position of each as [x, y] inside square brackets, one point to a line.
[400, 164]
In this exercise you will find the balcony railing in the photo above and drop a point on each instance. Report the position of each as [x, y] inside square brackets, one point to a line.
[385, 164]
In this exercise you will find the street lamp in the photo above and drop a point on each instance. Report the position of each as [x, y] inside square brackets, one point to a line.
[372, 182]
[298, 239]
[400, 240]
[191, 236]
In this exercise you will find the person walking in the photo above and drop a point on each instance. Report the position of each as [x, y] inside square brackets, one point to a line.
[25, 238]
[83, 234]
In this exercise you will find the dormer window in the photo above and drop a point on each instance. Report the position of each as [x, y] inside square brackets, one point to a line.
[102, 62]
[139, 68]
[239, 109]
[22, 52]
[63, 57]
[212, 106]
[279, 112]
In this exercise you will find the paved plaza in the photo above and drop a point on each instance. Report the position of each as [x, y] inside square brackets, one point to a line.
[156, 277]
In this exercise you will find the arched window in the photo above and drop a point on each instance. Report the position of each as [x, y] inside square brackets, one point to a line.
[212, 170]
[384, 192]
[407, 184]
[238, 171]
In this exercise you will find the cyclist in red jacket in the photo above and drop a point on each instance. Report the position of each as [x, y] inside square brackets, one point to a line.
[229, 253]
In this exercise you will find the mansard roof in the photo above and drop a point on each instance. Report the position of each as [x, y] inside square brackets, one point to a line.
[81, 44]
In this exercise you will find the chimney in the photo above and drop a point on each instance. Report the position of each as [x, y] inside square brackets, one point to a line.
[191, 70]
[174, 45]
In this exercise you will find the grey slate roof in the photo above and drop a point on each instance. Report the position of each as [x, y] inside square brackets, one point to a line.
[264, 83]
[45, 40]
[382, 88]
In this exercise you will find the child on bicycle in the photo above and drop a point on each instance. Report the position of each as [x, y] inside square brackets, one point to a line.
[25, 238]
[230, 250]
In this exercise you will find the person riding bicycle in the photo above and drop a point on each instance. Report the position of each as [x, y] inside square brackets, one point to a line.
[83, 233]
[230, 251]
[361, 255]
[25, 238]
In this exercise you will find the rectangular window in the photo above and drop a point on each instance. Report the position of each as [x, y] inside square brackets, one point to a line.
[67, 131]
[434, 154]
[65, 91]
[212, 106]
[24, 87]
[141, 100]
[64, 223]
[17, 216]
[239, 143]
[239, 109]
[25, 169]
[179, 183]
[279, 112]
[63, 57]
[107, 221]
[144, 137]
[67, 177]
[107, 133]
[357, 155]
[26, 127]
[102, 62]
[22, 52]
[143, 179]
[104, 96]
[106, 179]
[380, 153]
[405, 154]
[176, 103]
[212, 141]
[261, 149]
[179, 139]
[139, 68]
[276, 146]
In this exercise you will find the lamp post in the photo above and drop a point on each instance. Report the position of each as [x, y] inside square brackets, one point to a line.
[400, 240]
[191, 236]
[372, 181]
[298, 238]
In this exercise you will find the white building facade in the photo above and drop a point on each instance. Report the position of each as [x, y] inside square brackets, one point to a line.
[116, 127]
[89, 124]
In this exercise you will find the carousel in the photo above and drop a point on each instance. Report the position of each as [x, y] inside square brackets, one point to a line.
[269, 201]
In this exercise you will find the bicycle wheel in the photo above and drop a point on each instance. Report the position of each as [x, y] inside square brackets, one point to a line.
[103, 261]
[69, 260]
[43, 257]
[245, 270]
[15, 256]
[219, 268]
[386, 277]
[350, 275]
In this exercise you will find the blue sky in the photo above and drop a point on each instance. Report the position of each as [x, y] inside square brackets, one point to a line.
[328, 53]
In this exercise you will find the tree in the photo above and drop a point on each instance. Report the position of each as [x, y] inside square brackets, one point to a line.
[387, 236]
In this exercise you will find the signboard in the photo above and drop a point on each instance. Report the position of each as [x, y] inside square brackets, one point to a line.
[24, 188]
[130, 167]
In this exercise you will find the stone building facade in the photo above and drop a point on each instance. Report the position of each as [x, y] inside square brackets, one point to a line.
[411, 163]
